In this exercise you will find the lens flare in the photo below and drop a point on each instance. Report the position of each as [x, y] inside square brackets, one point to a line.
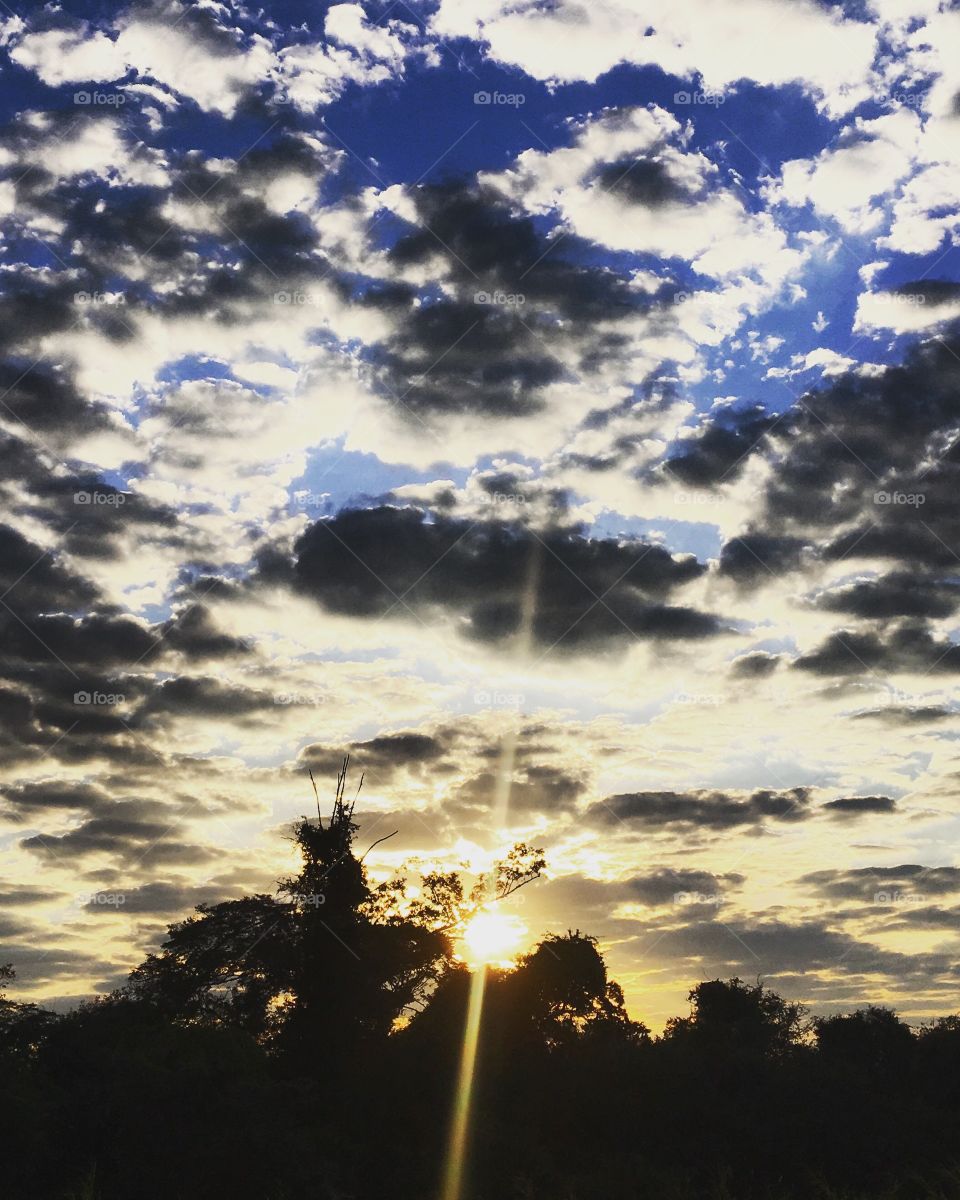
[459, 1133]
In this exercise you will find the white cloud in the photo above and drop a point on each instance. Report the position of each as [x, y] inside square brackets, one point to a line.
[163, 50]
[697, 220]
[903, 312]
[314, 74]
[718, 39]
[865, 165]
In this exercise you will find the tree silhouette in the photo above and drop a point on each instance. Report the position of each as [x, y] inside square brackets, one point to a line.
[737, 1018]
[307, 1043]
[329, 961]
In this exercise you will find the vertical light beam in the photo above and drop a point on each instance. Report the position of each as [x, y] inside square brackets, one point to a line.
[522, 645]
[460, 1127]
[466, 1079]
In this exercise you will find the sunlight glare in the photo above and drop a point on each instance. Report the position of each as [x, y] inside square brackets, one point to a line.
[490, 938]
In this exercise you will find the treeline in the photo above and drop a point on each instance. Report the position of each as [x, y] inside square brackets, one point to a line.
[309, 1044]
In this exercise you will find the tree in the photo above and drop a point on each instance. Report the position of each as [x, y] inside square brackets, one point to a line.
[733, 1017]
[328, 961]
[561, 989]
[22, 1026]
[872, 1039]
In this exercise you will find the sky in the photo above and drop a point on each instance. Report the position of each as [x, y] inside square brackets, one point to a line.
[554, 407]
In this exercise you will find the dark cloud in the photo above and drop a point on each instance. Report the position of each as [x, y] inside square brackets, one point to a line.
[25, 895]
[866, 883]
[646, 182]
[912, 916]
[906, 648]
[37, 796]
[757, 557]
[701, 809]
[755, 665]
[774, 947]
[899, 714]
[898, 594]
[544, 788]
[934, 292]
[863, 468]
[682, 886]
[202, 696]
[589, 592]
[193, 632]
[719, 450]
[856, 806]
[158, 896]
[31, 579]
[143, 832]
[520, 316]
[384, 756]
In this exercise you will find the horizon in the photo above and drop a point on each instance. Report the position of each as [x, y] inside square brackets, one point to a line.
[560, 422]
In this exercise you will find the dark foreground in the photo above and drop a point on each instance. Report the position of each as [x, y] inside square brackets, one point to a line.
[308, 1044]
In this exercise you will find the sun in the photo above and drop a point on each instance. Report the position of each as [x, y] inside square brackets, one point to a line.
[489, 939]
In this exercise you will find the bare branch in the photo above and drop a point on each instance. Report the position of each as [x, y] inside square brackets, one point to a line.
[385, 838]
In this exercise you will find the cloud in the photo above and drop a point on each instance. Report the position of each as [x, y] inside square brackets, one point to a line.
[131, 832]
[182, 48]
[857, 806]
[863, 883]
[852, 181]
[907, 648]
[588, 593]
[803, 42]
[897, 594]
[666, 885]
[624, 185]
[701, 809]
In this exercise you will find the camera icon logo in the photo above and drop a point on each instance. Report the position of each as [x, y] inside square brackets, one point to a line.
[81, 497]
[481, 97]
[81, 97]
[81, 697]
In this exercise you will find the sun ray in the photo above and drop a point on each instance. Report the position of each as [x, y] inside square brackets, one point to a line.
[460, 1128]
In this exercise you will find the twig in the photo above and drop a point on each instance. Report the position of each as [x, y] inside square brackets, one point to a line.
[378, 841]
